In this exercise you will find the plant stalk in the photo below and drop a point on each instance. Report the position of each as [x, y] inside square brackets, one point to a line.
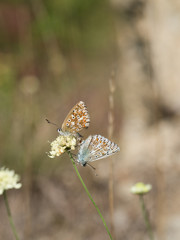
[10, 216]
[89, 195]
[146, 218]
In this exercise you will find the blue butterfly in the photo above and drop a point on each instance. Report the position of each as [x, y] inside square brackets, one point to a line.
[94, 148]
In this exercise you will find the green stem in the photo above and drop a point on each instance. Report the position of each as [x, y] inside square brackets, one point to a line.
[9, 215]
[89, 195]
[146, 218]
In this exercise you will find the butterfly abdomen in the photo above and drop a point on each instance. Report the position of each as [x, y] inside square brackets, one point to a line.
[83, 155]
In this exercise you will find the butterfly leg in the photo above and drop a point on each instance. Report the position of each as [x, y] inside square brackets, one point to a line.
[75, 160]
[79, 138]
[74, 155]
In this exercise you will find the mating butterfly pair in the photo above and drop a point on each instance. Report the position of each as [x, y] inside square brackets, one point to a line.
[94, 147]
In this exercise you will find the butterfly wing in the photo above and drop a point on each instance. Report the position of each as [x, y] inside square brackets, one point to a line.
[101, 147]
[77, 119]
[96, 147]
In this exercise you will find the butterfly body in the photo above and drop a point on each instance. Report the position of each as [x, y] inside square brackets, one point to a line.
[84, 152]
[94, 148]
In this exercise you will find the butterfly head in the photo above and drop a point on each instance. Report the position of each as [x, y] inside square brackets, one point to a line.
[60, 131]
[65, 133]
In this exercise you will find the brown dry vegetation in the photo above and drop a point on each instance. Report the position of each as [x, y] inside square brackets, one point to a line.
[53, 54]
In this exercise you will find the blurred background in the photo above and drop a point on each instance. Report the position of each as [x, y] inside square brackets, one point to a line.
[122, 58]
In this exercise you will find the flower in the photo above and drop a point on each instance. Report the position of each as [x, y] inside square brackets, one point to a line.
[141, 188]
[62, 144]
[8, 180]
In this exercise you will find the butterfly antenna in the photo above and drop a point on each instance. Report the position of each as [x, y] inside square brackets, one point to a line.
[93, 168]
[51, 122]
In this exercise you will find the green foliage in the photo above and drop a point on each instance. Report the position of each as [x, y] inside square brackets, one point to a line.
[6, 86]
[44, 42]
[77, 24]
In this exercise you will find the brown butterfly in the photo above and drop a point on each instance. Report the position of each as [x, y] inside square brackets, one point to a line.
[77, 119]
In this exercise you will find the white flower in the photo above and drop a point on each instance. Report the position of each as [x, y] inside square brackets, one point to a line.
[61, 144]
[141, 188]
[8, 180]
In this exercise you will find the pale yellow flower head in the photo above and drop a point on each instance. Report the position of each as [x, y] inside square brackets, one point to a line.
[141, 188]
[62, 144]
[8, 180]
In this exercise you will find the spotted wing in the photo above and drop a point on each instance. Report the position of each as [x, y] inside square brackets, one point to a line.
[101, 147]
[77, 119]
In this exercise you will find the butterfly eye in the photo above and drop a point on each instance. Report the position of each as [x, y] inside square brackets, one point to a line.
[59, 130]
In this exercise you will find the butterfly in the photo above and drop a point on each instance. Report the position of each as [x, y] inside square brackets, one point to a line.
[76, 120]
[94, 148]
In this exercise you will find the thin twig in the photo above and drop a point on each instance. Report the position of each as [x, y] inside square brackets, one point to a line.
[110, 135]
